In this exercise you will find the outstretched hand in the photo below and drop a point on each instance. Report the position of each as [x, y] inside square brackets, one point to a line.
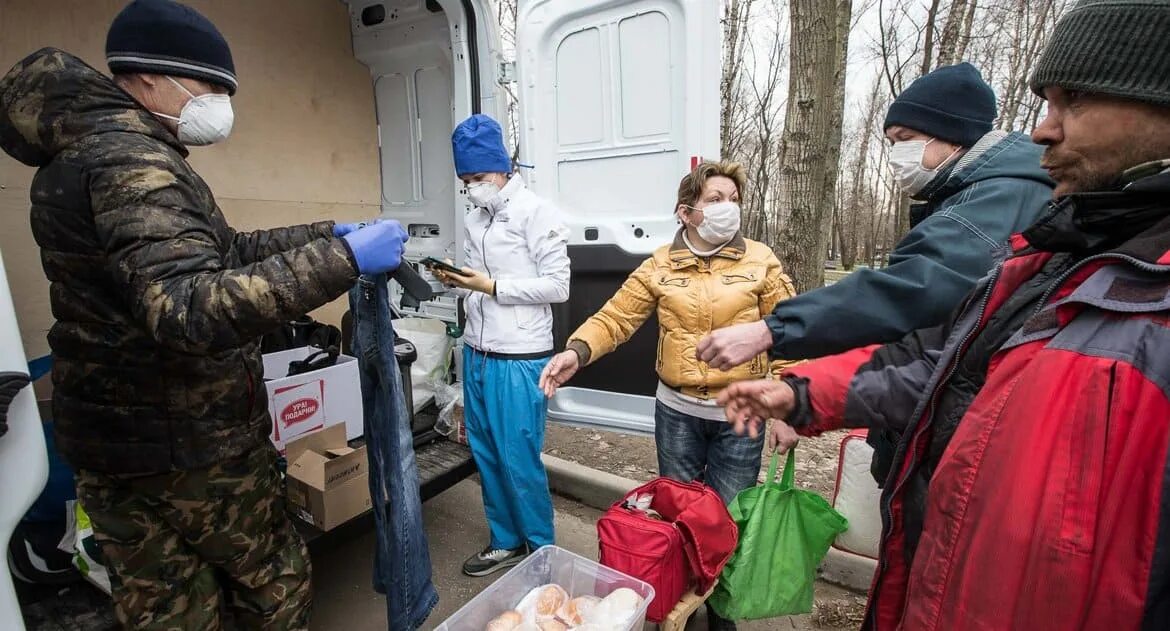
[782, 437]
[726, 348]
[749, 404]
[560, 369]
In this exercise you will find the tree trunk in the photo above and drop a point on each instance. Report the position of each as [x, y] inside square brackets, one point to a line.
[949, 42]
[965, 38]
[901, 217]
[730, 75]
[812, 134]
[928, 37]
[859, 198]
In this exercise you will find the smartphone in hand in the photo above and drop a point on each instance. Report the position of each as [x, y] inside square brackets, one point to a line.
[435, 263]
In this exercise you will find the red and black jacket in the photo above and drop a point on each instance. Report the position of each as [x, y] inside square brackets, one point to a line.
[1030, 488]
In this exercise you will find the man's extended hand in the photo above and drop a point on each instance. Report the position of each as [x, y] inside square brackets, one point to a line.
[748, 404]
[724, 349]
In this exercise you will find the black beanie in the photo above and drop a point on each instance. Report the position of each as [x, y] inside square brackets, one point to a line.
[1115, 47]
[168, 38]
[952, 103]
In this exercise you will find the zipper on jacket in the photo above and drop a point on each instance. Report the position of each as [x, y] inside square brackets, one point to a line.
[887, 506]
[1138, 263]
[482, 296]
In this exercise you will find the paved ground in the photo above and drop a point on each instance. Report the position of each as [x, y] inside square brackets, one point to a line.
[634, 457]
[455, 525]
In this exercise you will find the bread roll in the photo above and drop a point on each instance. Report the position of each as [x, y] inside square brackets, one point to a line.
[544, 601]
[506, 621]
[573, 612]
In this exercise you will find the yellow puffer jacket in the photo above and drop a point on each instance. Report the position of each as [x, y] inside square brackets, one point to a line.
[693, 296]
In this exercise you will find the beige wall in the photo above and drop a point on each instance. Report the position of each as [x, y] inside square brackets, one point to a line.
[304, 146]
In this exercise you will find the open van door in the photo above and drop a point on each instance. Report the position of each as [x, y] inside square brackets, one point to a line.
[24, 461]
[618, 100]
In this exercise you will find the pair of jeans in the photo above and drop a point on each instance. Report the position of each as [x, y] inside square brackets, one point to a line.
[504, 411]
[402, 562]
[691, 448]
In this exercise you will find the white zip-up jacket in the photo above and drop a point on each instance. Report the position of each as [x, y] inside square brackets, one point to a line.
[522, 243]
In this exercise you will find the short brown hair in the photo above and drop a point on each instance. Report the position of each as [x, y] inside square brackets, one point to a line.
[691, 186]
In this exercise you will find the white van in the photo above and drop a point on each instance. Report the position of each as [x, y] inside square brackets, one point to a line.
[618, 99]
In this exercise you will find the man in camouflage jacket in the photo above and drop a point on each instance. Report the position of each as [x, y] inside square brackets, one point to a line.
[159, 396]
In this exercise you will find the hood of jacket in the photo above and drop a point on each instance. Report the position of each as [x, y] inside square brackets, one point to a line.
[996, 155]
[51, 99]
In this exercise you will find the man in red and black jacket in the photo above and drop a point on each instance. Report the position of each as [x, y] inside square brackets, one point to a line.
[1030, 488]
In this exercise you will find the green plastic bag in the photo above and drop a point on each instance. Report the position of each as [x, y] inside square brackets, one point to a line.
[784, 534]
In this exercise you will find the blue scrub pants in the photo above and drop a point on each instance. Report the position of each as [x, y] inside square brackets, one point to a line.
[504, 411]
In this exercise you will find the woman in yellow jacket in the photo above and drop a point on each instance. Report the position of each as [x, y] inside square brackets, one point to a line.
[709, 277]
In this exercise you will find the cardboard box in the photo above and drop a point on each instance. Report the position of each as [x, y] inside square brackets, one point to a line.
[328, 481]
[310, 401]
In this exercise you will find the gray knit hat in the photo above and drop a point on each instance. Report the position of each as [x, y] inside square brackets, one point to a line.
[1115, 47]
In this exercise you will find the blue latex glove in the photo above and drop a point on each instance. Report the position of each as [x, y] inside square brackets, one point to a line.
[342, 229]
[377, 248]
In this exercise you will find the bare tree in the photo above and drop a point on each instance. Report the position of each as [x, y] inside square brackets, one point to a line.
[1032, 24]
[928, 36]
[899, 43]
[732, 113]
[811, 141]
[949, 44]
[965, 37]
[859, 206]
[762, 159]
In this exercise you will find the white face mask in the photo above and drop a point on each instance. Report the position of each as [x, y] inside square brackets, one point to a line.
[205, 119]
[906, 163]
[720, 222]
[482, 194]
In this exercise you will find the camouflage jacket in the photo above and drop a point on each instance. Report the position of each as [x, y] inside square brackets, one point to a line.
[158, 303]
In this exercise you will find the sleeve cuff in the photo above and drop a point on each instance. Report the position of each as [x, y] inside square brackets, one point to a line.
[801, 415]
[352, 257]
[325, 229]
[776, 326]
[582, 351]
[500, 290]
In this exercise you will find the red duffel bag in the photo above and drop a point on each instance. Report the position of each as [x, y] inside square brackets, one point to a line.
[687, 547]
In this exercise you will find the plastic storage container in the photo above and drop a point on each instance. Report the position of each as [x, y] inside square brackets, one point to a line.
[550, 564]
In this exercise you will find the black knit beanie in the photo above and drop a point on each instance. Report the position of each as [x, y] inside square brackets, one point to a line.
[1115, 47]
[168, 38]
[952, 103]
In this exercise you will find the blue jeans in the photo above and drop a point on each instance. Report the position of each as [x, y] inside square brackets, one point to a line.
[402, 562]
[504, 411]
[691, 448]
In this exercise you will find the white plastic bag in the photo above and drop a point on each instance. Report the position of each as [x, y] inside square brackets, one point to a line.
[449, 400]
[430, 339]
